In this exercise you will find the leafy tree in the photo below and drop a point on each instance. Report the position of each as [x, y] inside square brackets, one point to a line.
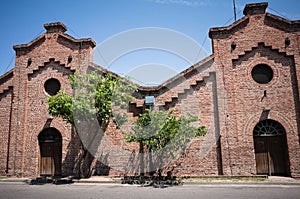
[90, 106]
[164, 134]
[61, 105]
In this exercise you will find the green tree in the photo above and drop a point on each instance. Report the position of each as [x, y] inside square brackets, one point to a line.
[89, 108]
[164, 134]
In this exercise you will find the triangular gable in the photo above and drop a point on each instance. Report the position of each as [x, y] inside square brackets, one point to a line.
[57, 28]
[256, 9]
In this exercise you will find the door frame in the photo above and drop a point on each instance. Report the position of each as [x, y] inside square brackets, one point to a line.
[50, 144]
[269, 132]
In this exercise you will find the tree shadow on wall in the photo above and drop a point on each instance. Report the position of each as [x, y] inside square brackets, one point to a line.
[71, 160]
[79, 161]
[101, 168]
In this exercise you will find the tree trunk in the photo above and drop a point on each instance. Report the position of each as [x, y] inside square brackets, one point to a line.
[151, 166]
[141, 156]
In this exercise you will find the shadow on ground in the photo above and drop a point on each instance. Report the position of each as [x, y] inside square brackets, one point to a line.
[45, 180]
[154, 181]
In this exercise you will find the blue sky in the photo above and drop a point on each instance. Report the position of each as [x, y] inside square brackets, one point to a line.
[22, 21]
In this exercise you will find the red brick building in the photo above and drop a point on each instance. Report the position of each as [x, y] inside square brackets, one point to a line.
[246, 94]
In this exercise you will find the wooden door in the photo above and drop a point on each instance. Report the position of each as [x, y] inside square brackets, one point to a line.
[50, 152]
[47, 166]
[261, 156]
[277, 153]
[270, 155]
[50, 161]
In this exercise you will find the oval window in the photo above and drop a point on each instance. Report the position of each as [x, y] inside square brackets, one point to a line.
[262, 73]
[52, 86]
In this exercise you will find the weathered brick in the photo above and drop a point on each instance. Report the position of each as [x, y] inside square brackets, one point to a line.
[219, 90]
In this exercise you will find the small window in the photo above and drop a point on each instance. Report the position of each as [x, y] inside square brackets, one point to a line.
[262, 73]
[52, 86]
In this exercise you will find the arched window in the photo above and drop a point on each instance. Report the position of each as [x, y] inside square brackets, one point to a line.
[268, 128]
[50, 135]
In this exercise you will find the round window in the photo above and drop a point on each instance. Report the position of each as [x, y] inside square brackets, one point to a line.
[52, 86]
[262, 73]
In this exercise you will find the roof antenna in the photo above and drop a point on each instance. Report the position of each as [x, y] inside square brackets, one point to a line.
[234, 10]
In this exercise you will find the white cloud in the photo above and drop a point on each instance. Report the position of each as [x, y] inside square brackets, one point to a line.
[181, 2]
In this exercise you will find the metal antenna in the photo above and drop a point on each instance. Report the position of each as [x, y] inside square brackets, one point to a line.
[234, 10]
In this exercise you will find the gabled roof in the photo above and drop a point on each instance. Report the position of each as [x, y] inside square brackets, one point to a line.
[60, 29]
[182, 76]
[6, 76]
[282, 23]
[6, 82]
[256, 9]
[173, 81]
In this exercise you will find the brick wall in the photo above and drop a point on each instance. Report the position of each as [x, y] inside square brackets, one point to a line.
[219, 90]
[201, 154]
[5, 128]
[37, 114]
[49, 55]
[257, 42]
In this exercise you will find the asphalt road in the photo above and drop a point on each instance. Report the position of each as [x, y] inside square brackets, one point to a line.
[113, 191]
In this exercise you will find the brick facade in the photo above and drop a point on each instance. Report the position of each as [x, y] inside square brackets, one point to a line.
[260, 39]
[219, 90]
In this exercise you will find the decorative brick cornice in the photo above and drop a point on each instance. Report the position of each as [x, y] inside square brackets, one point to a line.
[7, 76]
[177, 79]
[241, 23]
[281, 23]
[29, 46]
[6, 91]
[55, 27]
[51, 61]
[60, 29]
[259, 45]
[255, 9]
[80, 42]
[6, 81]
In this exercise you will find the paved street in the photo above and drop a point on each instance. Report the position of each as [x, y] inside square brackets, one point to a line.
[117, 191]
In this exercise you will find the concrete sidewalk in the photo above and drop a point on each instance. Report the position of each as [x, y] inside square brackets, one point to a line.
[98, 179]
[278, 180]
[270, 180]
[93, 179]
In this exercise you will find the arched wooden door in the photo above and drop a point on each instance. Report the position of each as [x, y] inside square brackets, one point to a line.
[50, 142]
[271, 153]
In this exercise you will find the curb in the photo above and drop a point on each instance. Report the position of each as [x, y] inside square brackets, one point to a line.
[98, 181]
[216, 183]
[24, 180]
[119, 182]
